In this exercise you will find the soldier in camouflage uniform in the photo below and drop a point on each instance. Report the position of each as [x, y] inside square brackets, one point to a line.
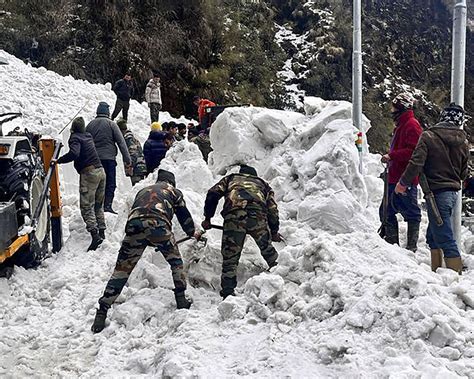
[138, 170]
[249, 208]
[202, 141]
[149, 224]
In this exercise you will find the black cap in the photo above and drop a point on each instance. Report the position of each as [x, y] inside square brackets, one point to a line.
[244, 169]
[166, 176]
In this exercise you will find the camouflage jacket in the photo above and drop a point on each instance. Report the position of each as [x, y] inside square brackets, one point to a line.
[204, 144]
[243, 191]
[136, 154]
[162, 201]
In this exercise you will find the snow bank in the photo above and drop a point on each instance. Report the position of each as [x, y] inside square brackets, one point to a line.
[341, 302]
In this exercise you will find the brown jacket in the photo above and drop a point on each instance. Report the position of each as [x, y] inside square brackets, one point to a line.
[442, 154]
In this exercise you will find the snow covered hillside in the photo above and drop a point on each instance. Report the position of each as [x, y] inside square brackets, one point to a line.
[341, 302]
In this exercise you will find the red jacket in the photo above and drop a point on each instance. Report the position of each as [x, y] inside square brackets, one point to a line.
[405, 138]
[203, 104]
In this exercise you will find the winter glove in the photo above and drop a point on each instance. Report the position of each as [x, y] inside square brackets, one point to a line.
[129, 170]
[206, 224]
[276, 237]
[385, 158]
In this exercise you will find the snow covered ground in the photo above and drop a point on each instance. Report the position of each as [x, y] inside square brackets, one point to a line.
[341, 302]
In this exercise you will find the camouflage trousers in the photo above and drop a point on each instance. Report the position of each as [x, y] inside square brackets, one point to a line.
[237, 224]
[141, 233]
[91, 201]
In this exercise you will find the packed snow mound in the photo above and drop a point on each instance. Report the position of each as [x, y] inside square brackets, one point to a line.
[340, 303]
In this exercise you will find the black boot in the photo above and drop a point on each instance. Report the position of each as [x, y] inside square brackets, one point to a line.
[412, 236]
[181, 301]
[224, 294]
[108, 209]
[99, 321]
[96, 241]
[391, 233]
[102, 233]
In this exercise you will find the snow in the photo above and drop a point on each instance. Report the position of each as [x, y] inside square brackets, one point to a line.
[340, 303]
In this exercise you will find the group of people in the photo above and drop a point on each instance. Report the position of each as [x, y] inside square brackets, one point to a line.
[439, 157]
[249, 208]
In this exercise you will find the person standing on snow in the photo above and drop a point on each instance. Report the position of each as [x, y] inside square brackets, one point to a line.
[181, 136]
[202, 105]
[249, 208]
[135, 150]
[123, 88]
[442, 154]
[405, 137]
[91, 180]
[155, 147]
[150, 224]
[153, 97]
[107, 137]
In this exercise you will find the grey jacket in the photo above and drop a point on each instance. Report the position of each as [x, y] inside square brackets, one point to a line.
[107, 136]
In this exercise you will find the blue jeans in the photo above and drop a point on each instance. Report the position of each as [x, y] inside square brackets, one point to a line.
[406, 205]
[442, 237]
[110, 181]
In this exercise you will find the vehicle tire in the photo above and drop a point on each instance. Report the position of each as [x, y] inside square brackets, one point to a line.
[24, 179]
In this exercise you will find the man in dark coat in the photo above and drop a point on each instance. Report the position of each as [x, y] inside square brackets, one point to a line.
[155, 147]
[405, 137]
[442, 154]
[92, 180]
[107, 137]
[123, 88]
[249, 208]
[150, 224]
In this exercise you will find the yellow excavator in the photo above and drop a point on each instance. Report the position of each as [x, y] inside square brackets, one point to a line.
[30, 200]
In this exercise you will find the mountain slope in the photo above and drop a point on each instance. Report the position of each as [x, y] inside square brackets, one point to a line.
[340, 303]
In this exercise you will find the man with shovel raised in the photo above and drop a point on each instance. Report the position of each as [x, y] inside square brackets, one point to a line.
[249, 208]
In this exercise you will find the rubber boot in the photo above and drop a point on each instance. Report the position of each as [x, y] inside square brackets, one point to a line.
[99, 321]
[181, 301]
[454, 264]
[96, 241]
[436, 259]
[102, 233]
[412, 235]
[391, 233]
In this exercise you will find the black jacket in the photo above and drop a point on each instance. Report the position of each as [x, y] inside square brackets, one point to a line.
[123, 89]
[82, 152]
[442, 154]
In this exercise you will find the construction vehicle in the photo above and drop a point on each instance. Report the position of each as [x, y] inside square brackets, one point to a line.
[30, 203]
[211, 114]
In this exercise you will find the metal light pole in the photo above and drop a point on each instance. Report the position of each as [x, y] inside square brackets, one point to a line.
[457, 85]
[357, 75]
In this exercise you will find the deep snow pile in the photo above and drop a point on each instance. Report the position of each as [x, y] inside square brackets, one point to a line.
[341, 302]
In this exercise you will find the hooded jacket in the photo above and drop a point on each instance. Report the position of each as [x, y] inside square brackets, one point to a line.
[82, 151]
[153, 92]
[442, 154]
[107, 136]
[154, 150]
[405, 138]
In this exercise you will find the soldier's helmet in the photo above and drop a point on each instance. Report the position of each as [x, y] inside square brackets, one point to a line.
[244, 169]
[166, 176]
